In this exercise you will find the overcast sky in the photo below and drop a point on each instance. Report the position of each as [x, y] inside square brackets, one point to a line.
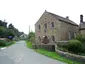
[22, 13]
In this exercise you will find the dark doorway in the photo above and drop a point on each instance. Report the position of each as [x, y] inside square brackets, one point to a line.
[45, 40]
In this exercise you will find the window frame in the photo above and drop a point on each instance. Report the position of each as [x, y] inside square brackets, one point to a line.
[53, 38]
[39, 27]
[45, 25]
[52, 24]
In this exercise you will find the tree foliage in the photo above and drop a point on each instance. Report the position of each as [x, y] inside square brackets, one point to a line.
[4, 24]
[8, 31]
[80, 37]
[31, 36]
[2, 32]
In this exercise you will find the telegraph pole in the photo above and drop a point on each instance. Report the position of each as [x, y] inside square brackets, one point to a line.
[29, 28]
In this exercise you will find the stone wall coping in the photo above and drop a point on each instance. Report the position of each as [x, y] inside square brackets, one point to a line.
[61, 41]
[3, 38]
[68, 55]
[43, 44]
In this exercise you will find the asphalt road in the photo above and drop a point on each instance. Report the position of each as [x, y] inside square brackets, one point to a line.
[20, 54]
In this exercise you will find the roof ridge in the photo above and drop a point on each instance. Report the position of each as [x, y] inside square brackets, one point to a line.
[63, 18]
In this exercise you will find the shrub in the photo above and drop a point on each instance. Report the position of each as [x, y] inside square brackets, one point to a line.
[83, 38]
[80, 37]
[74, 46]
[3, 43]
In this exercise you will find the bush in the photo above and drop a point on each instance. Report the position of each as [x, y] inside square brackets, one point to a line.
[3, 43]
[74, 46]
[29, 44]
[80, 37]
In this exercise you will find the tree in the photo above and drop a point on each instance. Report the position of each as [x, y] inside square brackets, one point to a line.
[31, 36]
[16, 31]
[10, 34]
[11, 26]
[5, 31]
[4, 24]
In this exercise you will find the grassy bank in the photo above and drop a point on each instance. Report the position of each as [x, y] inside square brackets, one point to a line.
[4, 43]
[11, 43]
[29, 44]
[53, 55]
[56, 56]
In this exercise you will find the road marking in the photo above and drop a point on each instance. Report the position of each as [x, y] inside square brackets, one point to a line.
[20, 59]
[17, 58]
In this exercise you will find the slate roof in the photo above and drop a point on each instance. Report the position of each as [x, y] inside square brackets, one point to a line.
[63, 19]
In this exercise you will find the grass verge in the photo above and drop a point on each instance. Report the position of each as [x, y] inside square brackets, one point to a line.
[11, 43]
[53, 55]
[29, 44]
[4, 43]
[56, 56]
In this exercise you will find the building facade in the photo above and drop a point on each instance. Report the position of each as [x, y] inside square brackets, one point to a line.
[51, 28]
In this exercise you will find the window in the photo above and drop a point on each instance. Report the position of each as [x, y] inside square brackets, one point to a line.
[74, 34]
[70, 36]
[45, 18]
[39, 26]
[45, 40]
[39, 38]
[53, 38]
[45, 25]
[52, 24]
[44, 30]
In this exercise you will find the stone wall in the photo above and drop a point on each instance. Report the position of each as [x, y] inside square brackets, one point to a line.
[46, 47]
[71, 56]
[82, 32]
[3, 38]
[67, 31]
[61, 43]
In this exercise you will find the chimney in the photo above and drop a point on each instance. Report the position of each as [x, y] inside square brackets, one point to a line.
[81, 18]
[67, 17]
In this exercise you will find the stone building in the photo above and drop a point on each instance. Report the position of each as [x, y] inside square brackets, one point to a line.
[82, 26]
[51, 27]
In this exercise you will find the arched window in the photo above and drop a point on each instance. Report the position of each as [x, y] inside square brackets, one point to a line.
[45, 25]
[45, 40]
[53, 38]
[69, 35]
[52, 24]
[74, 34]
[39, 38]
[39, 26]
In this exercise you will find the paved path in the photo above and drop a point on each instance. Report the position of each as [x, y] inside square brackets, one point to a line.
[20, 54]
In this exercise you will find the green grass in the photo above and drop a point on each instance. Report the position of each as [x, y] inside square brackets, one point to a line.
[4, 43]
[11, 43]
[1, 46]
[29, 44]
[56, 56]
[53, 55]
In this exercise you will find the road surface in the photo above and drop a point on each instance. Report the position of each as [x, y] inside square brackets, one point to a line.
[20, 54]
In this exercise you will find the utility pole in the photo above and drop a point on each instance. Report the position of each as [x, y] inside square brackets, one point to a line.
[4, 20]
[29, 28]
